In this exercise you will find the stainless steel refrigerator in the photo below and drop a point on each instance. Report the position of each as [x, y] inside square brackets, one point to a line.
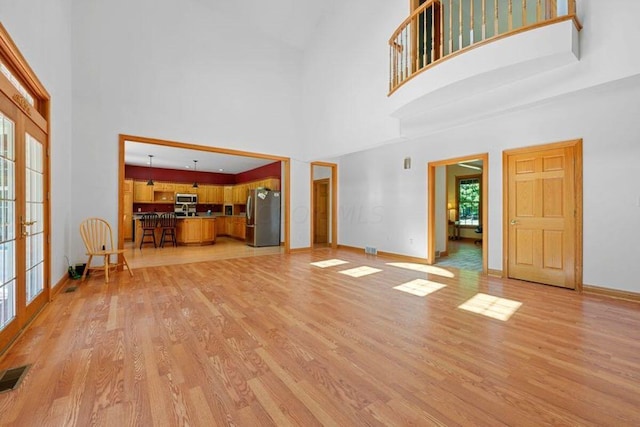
[263, 218]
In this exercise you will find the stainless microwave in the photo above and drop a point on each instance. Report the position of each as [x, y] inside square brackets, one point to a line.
[186, 199]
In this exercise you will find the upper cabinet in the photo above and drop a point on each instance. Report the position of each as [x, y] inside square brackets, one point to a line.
[142, 193]
[164, 192]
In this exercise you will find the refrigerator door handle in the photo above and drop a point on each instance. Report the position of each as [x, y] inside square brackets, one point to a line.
[249, 207]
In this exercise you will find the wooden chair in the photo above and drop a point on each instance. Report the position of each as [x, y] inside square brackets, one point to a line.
[98, 240]
[168, 223]
[149, 222]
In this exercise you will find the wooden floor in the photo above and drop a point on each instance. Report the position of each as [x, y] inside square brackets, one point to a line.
[273, 340]
[224, 248]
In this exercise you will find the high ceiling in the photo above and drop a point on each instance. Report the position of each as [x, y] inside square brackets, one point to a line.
[292, 22]
[137, 154]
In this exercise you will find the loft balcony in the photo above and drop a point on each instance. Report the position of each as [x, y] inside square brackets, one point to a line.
[526, 37]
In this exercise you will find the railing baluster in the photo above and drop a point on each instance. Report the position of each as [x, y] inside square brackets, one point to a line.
[484, 19]
[539, 11]
[510, 18]
[460, 46]
[495, 21]
[524, 12]
[441, 9]
[433, 33]
[424, 38]
[471, 23]
[451, 26]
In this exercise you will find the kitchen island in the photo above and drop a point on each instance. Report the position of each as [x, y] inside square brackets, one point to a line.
[192, 230]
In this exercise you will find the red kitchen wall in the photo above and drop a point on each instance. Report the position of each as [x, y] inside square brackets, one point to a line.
[141, 173]
[272, 170]
[175, 175]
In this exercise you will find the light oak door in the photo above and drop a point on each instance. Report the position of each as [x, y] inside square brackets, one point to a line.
[321, 211]
[542, 216]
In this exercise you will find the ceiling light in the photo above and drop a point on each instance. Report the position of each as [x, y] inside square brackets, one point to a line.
[464, 165]
[195, 169]
[150, 182]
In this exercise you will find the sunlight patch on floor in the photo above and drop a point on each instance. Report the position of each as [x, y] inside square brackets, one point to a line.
[490, 306]
[420, 287]
[423, 268]
[360, 271]
[329, 263]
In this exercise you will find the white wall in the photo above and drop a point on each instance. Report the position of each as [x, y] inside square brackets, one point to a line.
[300, 202]
[192, 72]
[393, 201]
[41, 30]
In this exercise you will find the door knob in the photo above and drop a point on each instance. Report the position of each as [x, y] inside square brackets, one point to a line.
[513, 222]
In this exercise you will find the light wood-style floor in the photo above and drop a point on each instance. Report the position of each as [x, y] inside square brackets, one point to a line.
[224, 248]
[274, 340]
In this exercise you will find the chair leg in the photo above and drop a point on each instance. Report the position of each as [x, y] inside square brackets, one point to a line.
[124, 259]
[106, 269]
[164, 232]
[86, 268]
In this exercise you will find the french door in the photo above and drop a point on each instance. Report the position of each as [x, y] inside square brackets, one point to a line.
[24, 282]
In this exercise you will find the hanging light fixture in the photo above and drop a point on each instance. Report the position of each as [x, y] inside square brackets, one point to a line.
[195, 182]
[150, 182]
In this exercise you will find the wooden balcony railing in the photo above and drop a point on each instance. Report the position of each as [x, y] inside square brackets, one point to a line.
[439, 29]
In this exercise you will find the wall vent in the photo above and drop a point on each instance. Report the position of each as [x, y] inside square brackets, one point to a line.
[370, 250]
[437, 254]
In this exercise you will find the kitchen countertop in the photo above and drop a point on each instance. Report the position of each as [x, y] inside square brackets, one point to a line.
[138, 215]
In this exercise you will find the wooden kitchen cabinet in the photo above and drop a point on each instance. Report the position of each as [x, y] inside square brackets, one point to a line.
[189, 230]
[240, 193]
[221, 223]
[185, 188]
[228, 194]
[208, 230]
[164, 186]
[196, 231]
[142, 193]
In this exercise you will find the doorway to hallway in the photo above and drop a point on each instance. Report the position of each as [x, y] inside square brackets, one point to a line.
[458, 212]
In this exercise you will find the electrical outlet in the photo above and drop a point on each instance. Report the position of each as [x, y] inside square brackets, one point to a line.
[411, 241]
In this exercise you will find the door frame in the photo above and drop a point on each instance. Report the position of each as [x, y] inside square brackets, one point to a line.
[334, 202]
[578, 238]
[39, 116]
[431, 201]
[285, 183]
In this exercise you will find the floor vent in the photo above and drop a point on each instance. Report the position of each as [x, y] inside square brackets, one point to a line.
[11, 378]
[370, 250]
[71, 289]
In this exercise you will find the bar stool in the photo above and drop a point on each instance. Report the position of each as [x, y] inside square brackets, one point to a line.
[168, 223]
[149, 222]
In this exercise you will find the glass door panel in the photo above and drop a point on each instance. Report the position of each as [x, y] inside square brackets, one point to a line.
[33, 221]
[7, 221]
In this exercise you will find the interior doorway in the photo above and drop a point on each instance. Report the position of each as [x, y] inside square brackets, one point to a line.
[458, 212]
[284, 183]
[324, 204]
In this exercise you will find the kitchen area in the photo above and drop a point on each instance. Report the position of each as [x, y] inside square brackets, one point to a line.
[229, 210]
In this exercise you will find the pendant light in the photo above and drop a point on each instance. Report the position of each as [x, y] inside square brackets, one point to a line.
[195, 182]
[150, 182]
